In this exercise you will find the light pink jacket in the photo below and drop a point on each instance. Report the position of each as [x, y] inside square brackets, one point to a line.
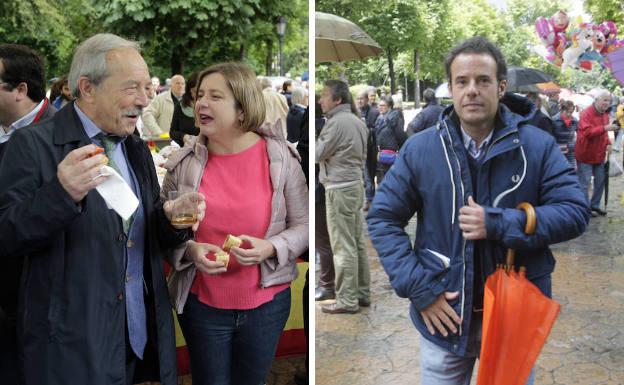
[288, 229]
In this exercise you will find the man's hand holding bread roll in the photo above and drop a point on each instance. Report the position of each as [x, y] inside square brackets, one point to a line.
[79, 171]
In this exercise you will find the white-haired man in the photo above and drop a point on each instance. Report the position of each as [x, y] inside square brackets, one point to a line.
[591, 148]
[296, 114]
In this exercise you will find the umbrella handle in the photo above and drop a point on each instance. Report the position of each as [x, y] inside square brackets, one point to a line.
[529, 228]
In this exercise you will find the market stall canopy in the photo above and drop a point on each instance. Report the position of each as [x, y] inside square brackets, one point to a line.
[543, 88]
[338, 40]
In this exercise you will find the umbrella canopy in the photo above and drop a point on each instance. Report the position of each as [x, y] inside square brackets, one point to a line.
[517, 319]
[521, 76]
[442, 91]
[337, 40]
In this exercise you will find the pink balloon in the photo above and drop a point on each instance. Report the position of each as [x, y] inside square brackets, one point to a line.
[545, 31]
[560, 21]
[609, 29]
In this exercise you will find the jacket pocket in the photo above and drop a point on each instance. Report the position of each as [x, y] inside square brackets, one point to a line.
[446, 261]
[435, 264]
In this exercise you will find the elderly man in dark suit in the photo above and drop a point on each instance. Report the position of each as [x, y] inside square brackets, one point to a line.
[94, 307]
[22, 102]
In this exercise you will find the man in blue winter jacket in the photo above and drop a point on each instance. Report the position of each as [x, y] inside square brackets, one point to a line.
[463, 178]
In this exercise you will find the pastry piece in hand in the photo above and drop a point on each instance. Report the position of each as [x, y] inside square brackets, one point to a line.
[232, 241]
[99, 150]
[222, 256]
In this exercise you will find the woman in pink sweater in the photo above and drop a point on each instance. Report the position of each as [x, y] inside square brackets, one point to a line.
[232, 316]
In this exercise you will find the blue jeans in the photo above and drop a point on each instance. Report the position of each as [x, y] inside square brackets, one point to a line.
[585, 172]
[233, 347]
[441, 367]
[369, 183]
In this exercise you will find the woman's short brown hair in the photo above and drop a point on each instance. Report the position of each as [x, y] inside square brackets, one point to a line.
[242, 82]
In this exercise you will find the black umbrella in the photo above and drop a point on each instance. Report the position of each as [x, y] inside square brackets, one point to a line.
[521, 76]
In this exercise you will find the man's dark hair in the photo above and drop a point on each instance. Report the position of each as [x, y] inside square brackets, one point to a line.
[478, 45]
[191, 83]
[567, 105]
[286, 84]
[23, 65]
[429, 95]
[340, 89]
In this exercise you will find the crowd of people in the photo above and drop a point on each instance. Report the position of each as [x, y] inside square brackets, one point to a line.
[462, 170]
[86, 228]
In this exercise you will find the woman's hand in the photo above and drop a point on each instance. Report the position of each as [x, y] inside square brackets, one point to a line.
[196, 252]
[192, 203]
[260, 250]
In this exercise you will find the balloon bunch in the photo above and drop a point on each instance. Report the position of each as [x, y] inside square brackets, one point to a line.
[576, 46]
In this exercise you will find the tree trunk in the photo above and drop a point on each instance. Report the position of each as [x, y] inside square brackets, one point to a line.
[269, 57]
[241, 52]
[391, 72]
[406, 98]
[177, 61]
[416, 78]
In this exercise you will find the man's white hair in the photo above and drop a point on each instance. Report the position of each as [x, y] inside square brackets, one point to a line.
[90, 59]
[398, 101]
[298, 94]
[601, 93]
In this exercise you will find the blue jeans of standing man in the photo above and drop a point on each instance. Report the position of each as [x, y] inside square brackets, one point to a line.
[369, 183]
[438, 366]
[585, 172]
[233, 347]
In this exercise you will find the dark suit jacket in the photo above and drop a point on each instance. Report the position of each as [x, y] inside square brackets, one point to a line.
[370, 115]
[12, 268]
[181, 125]
[9, 288]
[294, 123]
[72, 311]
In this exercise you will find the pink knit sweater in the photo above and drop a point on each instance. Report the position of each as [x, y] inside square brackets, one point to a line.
[238, 194]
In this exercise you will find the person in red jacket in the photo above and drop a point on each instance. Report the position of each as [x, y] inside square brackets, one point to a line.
[591, 146]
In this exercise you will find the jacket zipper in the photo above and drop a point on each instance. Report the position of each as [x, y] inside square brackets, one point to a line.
[463, 293]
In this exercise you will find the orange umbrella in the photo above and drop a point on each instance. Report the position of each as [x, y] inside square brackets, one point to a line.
[517, 319]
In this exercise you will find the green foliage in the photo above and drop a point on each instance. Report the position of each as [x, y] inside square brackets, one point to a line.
[585, 81]
[603, 10]
[52, 28]
[356, 89]
[209, 31]
[433, 27]
[399, 26]
[176, 35]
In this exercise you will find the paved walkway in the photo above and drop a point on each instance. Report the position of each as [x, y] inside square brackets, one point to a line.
[379, 345]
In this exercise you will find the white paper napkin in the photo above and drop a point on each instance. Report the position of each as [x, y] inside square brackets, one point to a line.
[117, 194]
